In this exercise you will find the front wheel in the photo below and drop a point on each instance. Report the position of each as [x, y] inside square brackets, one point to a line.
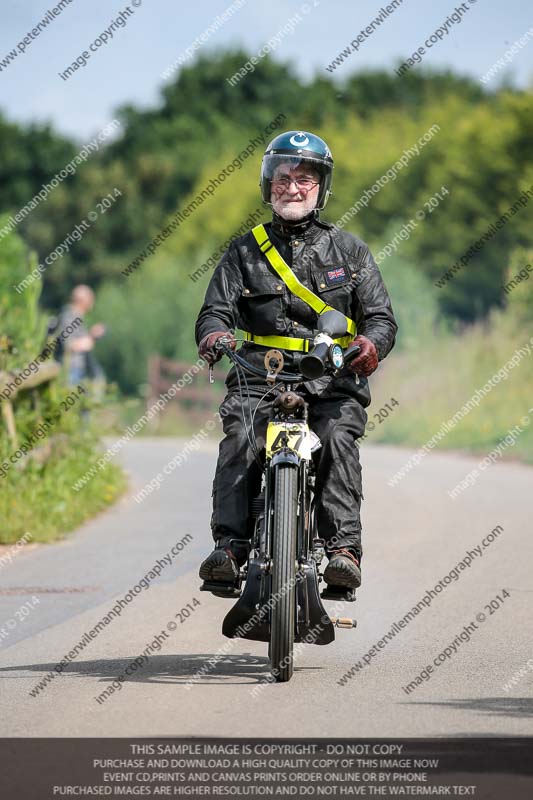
[283, 612]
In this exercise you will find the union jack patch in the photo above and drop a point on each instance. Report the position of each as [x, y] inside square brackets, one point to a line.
[335, 276]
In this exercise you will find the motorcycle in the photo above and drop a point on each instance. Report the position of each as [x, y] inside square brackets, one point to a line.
[280, 601]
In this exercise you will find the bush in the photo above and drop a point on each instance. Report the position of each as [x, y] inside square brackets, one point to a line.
[36, 489]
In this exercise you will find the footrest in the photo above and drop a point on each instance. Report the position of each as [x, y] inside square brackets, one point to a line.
[344, 622]
[221, 589]
[338, 593]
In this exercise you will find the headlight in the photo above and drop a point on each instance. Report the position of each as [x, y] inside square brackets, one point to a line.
[335, 354]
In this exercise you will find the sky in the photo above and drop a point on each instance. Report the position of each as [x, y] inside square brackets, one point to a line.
[128, 69]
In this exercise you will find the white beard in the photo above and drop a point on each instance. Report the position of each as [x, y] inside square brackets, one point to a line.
[293, 211]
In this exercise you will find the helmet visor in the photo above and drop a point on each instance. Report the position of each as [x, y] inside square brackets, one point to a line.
[280, 167]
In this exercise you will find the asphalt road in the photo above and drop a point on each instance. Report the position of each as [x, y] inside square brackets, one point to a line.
[414, 535]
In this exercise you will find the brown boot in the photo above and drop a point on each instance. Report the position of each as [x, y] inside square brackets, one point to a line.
[343, 570]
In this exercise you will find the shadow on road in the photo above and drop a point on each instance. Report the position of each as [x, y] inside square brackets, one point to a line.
[179, 669]
[500, 706]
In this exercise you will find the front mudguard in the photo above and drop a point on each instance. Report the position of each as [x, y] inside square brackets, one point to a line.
[285, 456]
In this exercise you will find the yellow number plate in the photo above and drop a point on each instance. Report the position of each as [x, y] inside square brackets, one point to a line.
[294, 435]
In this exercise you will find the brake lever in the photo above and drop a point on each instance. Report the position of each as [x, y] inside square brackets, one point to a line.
[351, 353]
[220, 344]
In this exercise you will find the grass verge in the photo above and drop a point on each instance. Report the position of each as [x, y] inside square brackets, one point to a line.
[434, 382]
[39, 500]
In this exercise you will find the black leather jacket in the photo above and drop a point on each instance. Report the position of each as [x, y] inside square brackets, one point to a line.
[246, 293]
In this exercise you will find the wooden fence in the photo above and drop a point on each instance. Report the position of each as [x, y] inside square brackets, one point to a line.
[15, 384]
[193, 403]
[196, 399]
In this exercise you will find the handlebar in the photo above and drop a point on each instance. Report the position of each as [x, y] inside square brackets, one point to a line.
[292, 377]
[351, 353]
[314, 364]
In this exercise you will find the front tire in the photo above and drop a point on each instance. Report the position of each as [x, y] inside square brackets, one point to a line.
[284, 532]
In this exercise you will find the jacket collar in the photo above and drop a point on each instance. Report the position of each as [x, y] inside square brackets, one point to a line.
[307, 228]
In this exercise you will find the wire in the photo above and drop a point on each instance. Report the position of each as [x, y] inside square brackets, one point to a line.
[276, 386]
[240, 372]
[250, 434]
[273, 388]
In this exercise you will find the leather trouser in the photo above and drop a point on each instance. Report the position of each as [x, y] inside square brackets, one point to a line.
[339, 420]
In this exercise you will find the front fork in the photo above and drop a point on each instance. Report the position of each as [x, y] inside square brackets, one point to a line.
[264, 532]
[310, 615]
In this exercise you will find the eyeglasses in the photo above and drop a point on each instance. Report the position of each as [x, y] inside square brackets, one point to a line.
[302, 183]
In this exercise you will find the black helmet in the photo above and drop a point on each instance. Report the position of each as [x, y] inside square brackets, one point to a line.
[298, 147]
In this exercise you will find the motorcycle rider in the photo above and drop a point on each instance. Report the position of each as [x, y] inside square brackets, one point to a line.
[247, 292]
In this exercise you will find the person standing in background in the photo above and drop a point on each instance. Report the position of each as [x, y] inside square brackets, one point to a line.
[76, 351]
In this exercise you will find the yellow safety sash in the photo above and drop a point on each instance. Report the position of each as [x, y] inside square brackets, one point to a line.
[282, 269]
[282, 342]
